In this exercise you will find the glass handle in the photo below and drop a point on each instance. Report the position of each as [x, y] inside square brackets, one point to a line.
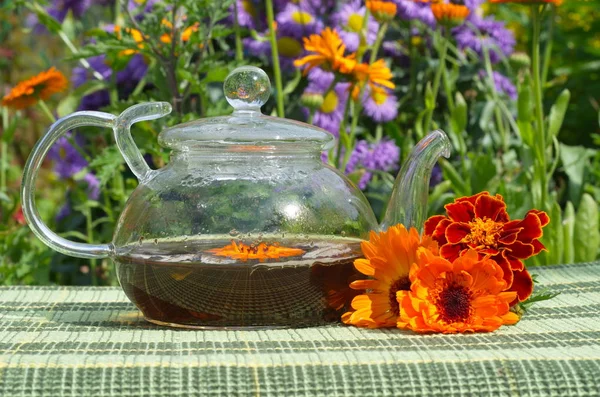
[125, 143]
[131, 153]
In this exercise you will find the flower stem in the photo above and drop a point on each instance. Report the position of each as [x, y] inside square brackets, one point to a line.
[90, 238]
[437, 78]
[239, 54]
[275, 57]
[504, 143]
[47, 111]
[539, 107]
[548, 49]
[3, 151]
[75, 51]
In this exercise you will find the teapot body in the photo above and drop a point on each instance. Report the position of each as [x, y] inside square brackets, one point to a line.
[265, 203]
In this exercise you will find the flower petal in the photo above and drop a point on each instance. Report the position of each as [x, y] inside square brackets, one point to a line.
[491, 208]
[432, 223]
[460, 211]
[523, 285]
[456, 232]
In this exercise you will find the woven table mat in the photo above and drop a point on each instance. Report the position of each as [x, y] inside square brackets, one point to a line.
[79, 341]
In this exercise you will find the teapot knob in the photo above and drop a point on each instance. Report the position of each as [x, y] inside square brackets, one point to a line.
[247, 88]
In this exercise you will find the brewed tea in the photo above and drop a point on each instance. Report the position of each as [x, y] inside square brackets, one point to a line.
[185, 284]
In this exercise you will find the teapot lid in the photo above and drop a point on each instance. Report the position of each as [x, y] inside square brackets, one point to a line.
[247, 89]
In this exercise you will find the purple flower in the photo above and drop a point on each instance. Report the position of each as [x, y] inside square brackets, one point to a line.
[436, 176]
[479, 33]
[249, 14]
[349, 20]
[60, 8]
[67, 160]
[289, 49]
[93, 185]
[380, 106]
[503, 84]
[381, 156]
[410, 9]
[126, 80]
[297, 21]
[329, 116]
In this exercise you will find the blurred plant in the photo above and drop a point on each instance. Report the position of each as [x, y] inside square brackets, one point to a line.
[376, 74]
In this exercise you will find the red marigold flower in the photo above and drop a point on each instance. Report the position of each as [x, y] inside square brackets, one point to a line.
[481, 223]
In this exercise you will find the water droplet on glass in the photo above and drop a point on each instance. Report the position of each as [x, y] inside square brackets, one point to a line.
[233, 232]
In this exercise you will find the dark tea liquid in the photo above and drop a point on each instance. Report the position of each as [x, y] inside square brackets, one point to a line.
[181, 284]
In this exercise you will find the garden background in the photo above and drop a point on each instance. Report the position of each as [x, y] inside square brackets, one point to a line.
[472, 76]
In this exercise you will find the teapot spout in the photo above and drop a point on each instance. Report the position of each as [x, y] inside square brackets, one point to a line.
[408, 202]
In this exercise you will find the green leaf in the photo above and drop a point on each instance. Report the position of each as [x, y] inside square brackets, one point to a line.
[459, 114]
[587, 236]
[557, 113]
[574, 161]
[486, 115]
[483, 171]
[44, 18]
[524, 109]
[429, 98]
[293, 84]
[8, 134]
[458, 183]
[568, 233]
[216, 75]
[107, 164]
[553, 234]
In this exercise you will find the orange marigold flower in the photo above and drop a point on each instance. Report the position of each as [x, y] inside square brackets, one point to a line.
[327, 50]
[261, 251]
[555, 2]
[388, 258]
[465, 295]
[135, 34]
[377, 75]
[383, 11]
[29, 91]
[185, 35]
[449, 14]
[481, 223]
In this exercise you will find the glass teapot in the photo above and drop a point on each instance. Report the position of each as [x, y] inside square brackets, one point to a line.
[246, 226]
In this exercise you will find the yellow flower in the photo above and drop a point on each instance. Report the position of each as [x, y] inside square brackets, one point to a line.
[389, 256]
[327, 51]
[461, 296]
[377, 75]
[29, 91]
[135, 34]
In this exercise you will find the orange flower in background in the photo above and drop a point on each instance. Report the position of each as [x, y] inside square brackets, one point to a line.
[383, 11]
[465, 295]
[377, 75]
[449, 14]
[327, 51]
[40, 87]
[261, 251]
[481, 223]
[555, 2]
[388, 258]
[185, 35]
[135, 34]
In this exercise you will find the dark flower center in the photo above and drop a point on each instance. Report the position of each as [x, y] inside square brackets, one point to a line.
[402, 284]
[454, 304]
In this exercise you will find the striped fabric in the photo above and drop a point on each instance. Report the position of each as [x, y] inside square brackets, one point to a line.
[73, 341]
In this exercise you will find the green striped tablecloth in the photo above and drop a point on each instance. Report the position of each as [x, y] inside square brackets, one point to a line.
[57, 341]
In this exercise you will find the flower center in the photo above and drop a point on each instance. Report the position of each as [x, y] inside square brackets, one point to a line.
[302, 17]
[249, 8]
[454, 304]
[483, 232]
[355, 22]
[379, 97]
[330, 102]
[289, 47]
[402, 284]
